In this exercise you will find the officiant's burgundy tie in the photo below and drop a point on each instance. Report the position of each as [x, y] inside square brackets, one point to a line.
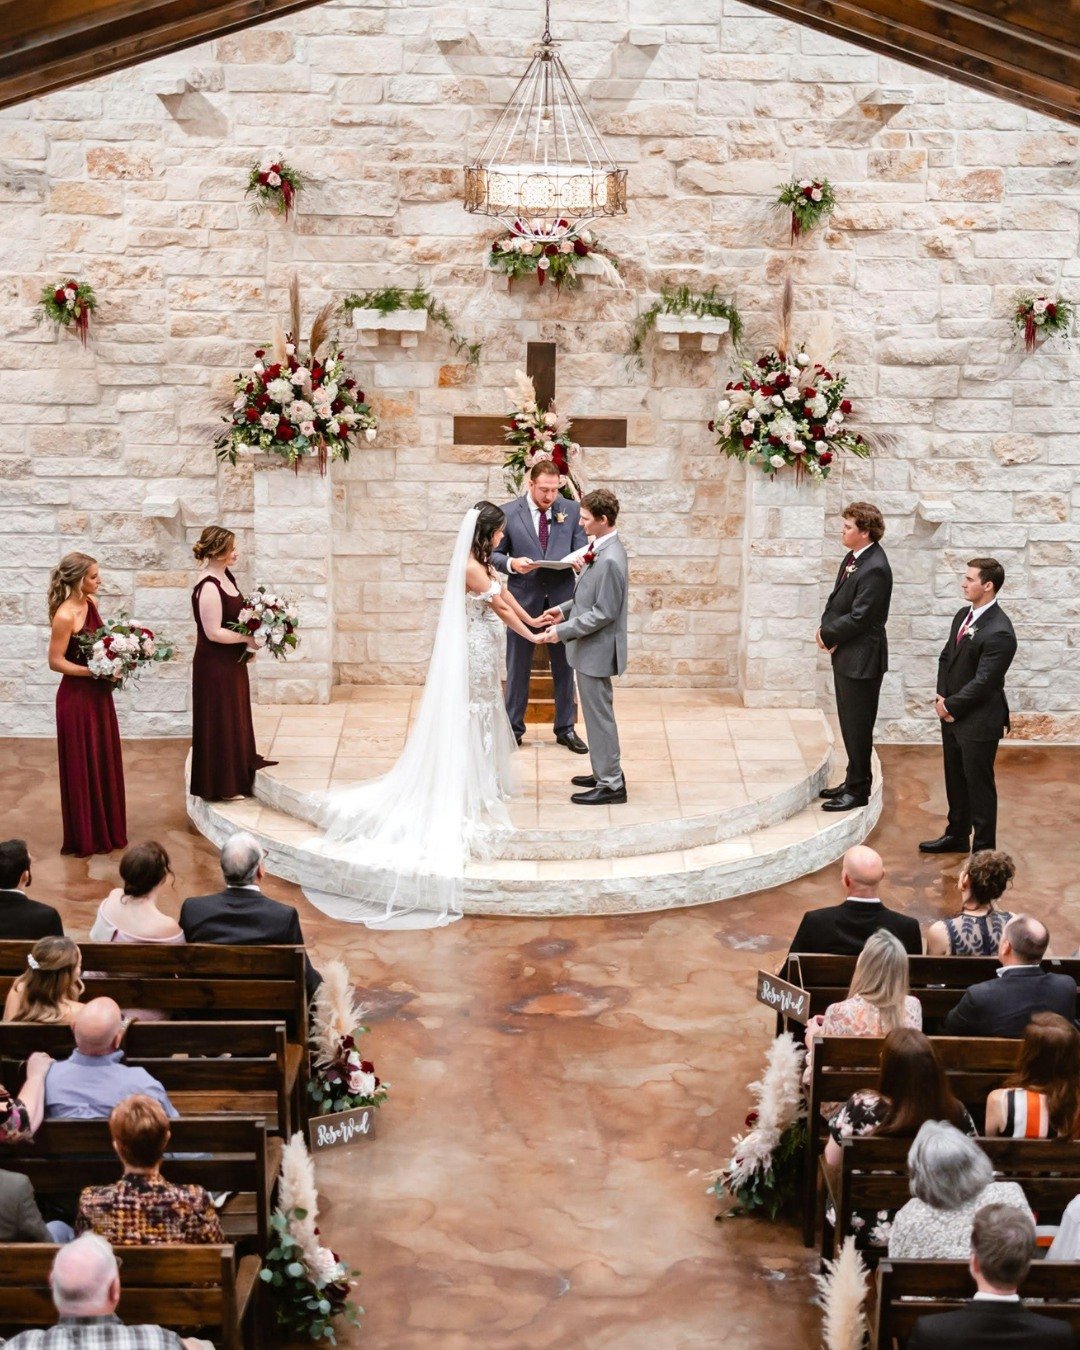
[543, 530]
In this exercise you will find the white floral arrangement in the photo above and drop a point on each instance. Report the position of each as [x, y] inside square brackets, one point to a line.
[535, 434]
[518, 254]
[270, 621]
[342, 1078]
[120, 650]
[1041, 316]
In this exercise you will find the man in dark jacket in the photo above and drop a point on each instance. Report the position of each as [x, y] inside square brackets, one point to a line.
[973, 709]
[853, 632]
[22, 919]
[1003, 1006]
[241, 914]
[841, 930]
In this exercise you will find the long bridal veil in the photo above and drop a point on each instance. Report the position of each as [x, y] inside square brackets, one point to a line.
[410, 828]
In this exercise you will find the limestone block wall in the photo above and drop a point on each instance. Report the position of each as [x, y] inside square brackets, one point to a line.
[950, 201]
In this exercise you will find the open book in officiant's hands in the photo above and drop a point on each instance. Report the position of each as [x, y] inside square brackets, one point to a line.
[562, 564]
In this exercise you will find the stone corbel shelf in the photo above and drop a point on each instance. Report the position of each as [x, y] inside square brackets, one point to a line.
[702, 331]
[935, 510]
[408, 324]
[586, 267]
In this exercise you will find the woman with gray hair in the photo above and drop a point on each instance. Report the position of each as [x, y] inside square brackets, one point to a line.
[950, 1177]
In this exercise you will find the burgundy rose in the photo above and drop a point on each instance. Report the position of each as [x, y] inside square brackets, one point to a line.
[826, 457]
[367, 1066]
[581, 248]
[558, 456]
[349, 384]
[337, 405]
[817, 432]
[712, 426]
[782, 381]
[284, 431]
[1051, 311]
[252, 624]
[747, 442]
[260, 354]
[808, 192]
[263, 402]
[272, 372]
[845, 406]
[59, 296]
[768, 390]
[810, 392]
[763, 363]
[252, 414]
[360, 396]
[774, 440]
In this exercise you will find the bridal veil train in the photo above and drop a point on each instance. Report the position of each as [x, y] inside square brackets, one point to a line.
[414, 828]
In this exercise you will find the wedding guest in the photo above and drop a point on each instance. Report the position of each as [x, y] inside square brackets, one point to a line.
[50, 990]
[1002, 1250]
[951, 1179]
[241, 914]
[223, 754]
[94, 1078]
[841, 930]
[973, 709]
[977, 929]
[912, 1089]
[1003, 1006]
[22, 919]
[852, 631]
[1066, 1243]
[20, 1116]
[20, 1218]
[142, 1208]
[1041, 1100]
[92, 799]
[130, 913]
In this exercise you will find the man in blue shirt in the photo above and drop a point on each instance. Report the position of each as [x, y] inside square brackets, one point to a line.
[94, 1078]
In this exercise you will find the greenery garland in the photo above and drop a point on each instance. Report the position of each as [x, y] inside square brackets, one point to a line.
[701, 304]
[393, 298]
[305, 1307]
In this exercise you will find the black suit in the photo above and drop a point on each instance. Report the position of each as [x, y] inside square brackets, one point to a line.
[1000, 1326]
[244, 917]
[1002, 1006]
[26, 920]
[971, 679]
[854, 623]
[841, 930]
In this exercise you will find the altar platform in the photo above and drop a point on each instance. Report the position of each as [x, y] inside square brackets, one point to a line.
[722, 802]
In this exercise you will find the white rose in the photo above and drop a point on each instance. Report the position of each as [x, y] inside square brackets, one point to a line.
[806, 182]
[815, 196]
[550, 419]
[746, 426]
[299, 411]
[327, 392]
[1040, 305]
[725, 430]
[290, 349]
[777, 400]
[777, 461]
[753, 415]
[369, 435]
[819, 406]
[820, 447]
[802, 359]
[307, 428]
[281, 391]
[723, 406]
[791, 393]
[70, 293]
[799, 447]
[566, 247]
[257, 368]
[299, 375]
[273, 179]
[269, 420]
[838, 417]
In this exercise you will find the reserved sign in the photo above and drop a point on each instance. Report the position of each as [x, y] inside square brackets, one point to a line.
[781, 996]
[343, 1127]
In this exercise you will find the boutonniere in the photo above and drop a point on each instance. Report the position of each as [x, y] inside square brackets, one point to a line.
[971, 631]
[589, 556]
[850, 568]
[560, 517]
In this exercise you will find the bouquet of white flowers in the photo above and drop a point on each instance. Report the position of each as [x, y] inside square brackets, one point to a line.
[121, 650]
[270, 621]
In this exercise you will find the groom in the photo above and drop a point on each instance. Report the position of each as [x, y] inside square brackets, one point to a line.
[593, 626]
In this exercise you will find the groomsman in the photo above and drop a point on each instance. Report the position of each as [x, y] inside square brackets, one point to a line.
[853, 632]
[540, 524]
[973, 709]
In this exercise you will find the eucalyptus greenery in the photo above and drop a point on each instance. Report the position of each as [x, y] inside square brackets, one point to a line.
[303, 1308]
[682, 300]
[393, 298]
[771, 1189]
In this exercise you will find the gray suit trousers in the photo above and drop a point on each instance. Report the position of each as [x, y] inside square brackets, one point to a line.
[598, 708]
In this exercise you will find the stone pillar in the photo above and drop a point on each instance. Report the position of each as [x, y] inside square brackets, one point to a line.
[783, 542]
[293, 554]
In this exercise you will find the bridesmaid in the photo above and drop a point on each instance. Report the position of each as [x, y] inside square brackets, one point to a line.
[223, 754]
[87, 735]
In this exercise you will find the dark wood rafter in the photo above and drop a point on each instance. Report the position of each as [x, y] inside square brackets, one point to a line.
[50, 44]
[1023, 51]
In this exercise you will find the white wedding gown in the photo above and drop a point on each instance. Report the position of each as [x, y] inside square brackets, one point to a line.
[412, 830]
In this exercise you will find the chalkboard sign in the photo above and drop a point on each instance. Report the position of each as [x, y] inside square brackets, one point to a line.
[341, 1128]
[782, 997]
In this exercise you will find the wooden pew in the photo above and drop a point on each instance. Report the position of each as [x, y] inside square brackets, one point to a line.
[261, 1074]
[873, 1175]
[208, 1288]
[66, 1155]
[942, 1286]
[847, 1064]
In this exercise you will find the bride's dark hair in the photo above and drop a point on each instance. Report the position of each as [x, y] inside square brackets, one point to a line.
[490, 519]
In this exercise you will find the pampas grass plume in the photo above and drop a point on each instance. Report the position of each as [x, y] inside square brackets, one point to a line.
[335, 1013]
[842, 1295]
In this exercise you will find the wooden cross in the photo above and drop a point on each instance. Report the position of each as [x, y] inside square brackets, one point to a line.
[589, 432]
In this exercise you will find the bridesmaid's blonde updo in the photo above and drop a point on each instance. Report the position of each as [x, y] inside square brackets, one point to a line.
[66, 578]
[214, 542]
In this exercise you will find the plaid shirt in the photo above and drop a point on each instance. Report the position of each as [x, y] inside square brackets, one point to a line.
[95, 1333]
[140, 1211]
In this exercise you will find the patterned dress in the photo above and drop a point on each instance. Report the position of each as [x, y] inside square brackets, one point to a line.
[976, 934]
[491, 741]
[14, 1119]
[141, 1211]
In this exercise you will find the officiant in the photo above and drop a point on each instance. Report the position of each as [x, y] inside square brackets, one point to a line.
[541, 524]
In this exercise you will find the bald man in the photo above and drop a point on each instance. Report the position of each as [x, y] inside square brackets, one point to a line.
[1004, 1005]
[841, 930]
[94, 1078]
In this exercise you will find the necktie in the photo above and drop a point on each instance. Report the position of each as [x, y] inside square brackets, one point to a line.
[965, 625]
[846, 563]
[543, 530]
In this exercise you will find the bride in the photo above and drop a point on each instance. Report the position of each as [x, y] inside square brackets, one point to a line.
[443, 802]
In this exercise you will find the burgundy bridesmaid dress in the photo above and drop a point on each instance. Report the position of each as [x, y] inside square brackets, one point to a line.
[223, 754]
[91, 762]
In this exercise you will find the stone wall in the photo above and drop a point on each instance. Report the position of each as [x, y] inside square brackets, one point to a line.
[950, 201]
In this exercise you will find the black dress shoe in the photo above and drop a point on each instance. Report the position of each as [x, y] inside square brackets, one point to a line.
[829, 793]
[946, 844]
[584, 780]
[573, 741]
[847, 801]
[600, 796]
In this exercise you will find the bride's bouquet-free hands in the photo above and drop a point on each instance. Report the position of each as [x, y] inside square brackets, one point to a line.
[270, 621]
[120, 650]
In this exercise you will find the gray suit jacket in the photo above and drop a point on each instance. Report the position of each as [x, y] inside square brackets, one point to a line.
[594, 621]
[541, 589]
[20, 1219]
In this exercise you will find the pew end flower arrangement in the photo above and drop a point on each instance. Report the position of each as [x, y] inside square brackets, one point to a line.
[294, 404]
[68, 304]
[535, 434]
[391, 299]
[1041, 316]
[766, 1160]
[308, 1283]
[341, 1079]
[273, 185]
[120, 650]
[516, 255]
[808, 201]
[682, 301]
